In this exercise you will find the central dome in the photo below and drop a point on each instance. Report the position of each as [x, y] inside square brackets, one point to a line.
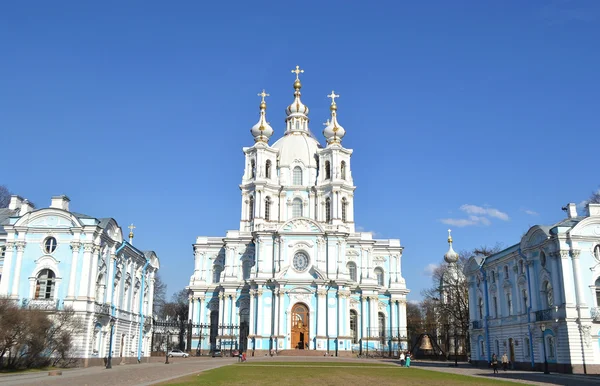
[297, 147]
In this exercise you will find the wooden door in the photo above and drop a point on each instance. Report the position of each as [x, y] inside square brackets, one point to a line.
[300, 327]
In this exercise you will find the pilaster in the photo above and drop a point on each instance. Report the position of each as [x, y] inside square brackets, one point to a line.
[18, 262]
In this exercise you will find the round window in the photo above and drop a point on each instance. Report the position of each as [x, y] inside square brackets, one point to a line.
[300, 261]
[49, 245]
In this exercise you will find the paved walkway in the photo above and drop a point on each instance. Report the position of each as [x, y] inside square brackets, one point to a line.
[156, 372]
[520, 376]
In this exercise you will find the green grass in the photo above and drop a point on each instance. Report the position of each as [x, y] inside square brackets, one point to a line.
[326, 374]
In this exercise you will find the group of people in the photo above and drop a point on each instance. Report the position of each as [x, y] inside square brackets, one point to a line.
[405, 359]
[495, 363]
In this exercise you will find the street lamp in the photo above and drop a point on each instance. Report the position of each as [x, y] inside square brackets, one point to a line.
[543, 328]
[111, 322]
[167, 350]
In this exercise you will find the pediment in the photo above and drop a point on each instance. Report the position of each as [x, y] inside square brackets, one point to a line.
[301, 225]
[49, 220]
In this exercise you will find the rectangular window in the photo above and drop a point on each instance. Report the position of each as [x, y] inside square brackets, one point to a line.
[551, 348]
[496, 307]
[527, 348]
[482, 349]
[509, 303]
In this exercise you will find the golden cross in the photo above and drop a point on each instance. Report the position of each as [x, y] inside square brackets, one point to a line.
[298, 71]
[333, 96]
[263, 94]
[131, 227]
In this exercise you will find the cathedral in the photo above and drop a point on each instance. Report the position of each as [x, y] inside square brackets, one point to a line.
[297, 275]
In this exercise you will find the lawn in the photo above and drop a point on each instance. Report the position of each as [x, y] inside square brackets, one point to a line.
[326, 374]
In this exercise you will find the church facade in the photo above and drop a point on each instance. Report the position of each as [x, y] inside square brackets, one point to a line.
[538, 301]
[297, 275]
[54, 258]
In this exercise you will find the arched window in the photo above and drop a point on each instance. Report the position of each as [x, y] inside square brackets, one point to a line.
[597, 292]
[268, 208]
[268, 169]
[252, 169]
[344, 204]
[381, 320]
[597, 252]
[217, 269]
[551, 347]
[343, 170]
[327, 170]
[251, 208]
[354, 326]
[379, 275]
[297, 177]
[327, 209]
[480, 306]
[297, 207]
[509, 304]
[525, 299]
[49, 245]
[548, 294]
[44, 286]
[543, 258]
[352, 270]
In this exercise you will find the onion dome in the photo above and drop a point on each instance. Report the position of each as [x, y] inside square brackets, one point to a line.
[450, 257]
[333, 132]
[262, 131]
[297, 108]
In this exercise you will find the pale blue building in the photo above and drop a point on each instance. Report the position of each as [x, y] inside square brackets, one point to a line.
[55, 258]
[297, 275]
[537, 301]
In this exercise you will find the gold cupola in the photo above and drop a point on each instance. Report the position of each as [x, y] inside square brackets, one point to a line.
[262, 131]
[333, 132]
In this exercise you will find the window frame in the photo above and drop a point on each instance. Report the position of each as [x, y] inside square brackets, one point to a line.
[47, 283]
[380, 276]
[297, 177]
[343, 170]
[268, 208]
[327, 209]
[297, 206]
[50, 247]
[344, 209]
[327, 170]
[268, 169]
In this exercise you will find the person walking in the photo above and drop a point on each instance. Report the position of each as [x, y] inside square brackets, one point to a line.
[408, 359]
[495, 363]
[505, 362]
[402, 359]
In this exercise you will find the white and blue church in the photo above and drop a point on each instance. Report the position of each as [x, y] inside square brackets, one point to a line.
[53, 258]
[297, 275]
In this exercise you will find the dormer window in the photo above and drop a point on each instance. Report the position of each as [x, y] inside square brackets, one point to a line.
[297, 207]
[268, 169]
[297, 177]
[252, 169]
[327, 209]
[49, 245]
[343, 170]
[267, 208]
[327, 170]
[251, 208]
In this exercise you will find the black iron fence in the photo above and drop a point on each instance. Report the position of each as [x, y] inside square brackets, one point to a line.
[380, 343]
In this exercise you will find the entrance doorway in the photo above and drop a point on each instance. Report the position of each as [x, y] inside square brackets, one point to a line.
[300, 326]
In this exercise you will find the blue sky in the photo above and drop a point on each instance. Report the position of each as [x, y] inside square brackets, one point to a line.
[478, 114]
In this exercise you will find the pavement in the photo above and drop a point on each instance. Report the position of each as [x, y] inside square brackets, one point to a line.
[157, 372]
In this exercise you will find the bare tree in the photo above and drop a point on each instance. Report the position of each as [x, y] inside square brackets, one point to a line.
[160, 295]
[4, 196]
[594, 198]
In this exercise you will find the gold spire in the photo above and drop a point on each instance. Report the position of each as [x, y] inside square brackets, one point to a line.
[263, 103]
[131, 228]
[297, 71]
[449, 236]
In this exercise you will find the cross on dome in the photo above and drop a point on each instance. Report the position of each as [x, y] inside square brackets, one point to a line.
[131, 227]
[297, 71]
[332, 96]
[450, 235]
[450, 257]
[263, 94]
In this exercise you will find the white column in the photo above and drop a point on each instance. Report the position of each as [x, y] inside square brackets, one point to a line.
[110, 280]
[374, 317]
[567, 272]
[75, 245]
[252, 330]
[221, 308]
[259, 314]
[93, 279]
[578, 279]
[202, 305]
[148, 307]
[402, 318]
[85, 270]
[340, 317]
[364, 316]
[281, 311]
[8, 260]
[17, 274]
[321, 311]
[393, 317]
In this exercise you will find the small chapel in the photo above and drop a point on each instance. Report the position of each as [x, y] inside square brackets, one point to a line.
[297, 275]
